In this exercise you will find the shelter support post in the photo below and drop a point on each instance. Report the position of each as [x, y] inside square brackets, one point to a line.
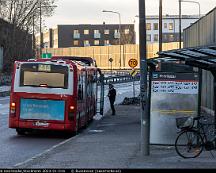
[214, 74]
[199, 92]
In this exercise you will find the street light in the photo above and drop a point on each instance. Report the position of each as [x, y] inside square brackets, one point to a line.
[40, 8]
[196, 2]
[108, 11]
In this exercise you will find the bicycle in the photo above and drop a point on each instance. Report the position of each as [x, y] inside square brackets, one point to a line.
[194, 136]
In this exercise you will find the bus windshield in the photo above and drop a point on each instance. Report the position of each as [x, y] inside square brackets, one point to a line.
[44, 75]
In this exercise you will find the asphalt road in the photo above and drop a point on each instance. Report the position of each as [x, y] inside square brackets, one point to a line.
[16, 149]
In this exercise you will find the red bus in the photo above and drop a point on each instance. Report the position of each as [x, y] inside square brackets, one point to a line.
[53, 94]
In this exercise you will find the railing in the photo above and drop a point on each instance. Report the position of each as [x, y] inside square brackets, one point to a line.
[5, 80]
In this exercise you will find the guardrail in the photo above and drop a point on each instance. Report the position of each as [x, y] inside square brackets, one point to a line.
[120, 79]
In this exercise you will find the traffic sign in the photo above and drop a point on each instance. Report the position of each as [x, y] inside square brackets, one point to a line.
[133, 72]
[132, 63]
[110, 60]
[46, 55]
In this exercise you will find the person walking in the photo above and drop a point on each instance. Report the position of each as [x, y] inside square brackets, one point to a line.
[112, 97]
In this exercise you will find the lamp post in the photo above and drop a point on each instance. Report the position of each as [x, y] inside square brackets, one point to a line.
[41, 38]
[119, 15]
[180, 1]
[160, 26]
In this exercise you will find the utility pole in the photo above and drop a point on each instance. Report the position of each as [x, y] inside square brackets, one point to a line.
[160, 26]
[145, 119]
[179, 24]
[33, 34]
[41, 37]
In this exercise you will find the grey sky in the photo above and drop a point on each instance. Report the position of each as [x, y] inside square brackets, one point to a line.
[90, 11]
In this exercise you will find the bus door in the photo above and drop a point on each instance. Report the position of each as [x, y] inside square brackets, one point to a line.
[81, 95]
[100, 92]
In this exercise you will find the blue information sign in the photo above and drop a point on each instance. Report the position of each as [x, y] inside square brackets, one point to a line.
[42, 109]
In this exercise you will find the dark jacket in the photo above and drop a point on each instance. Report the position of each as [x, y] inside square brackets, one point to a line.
[112, 94]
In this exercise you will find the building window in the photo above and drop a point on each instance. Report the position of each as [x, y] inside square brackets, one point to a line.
[96, 32]
[148, 37]
[86, 43]
[165, 25]
[106, 42]
[155, 26]
[76, 31]
[86, 32]
[126, 31]
[116, 31]
[148, 26]
[96, 42]
[170, 26]
[116, 34]
[165, 37]
[76, 34]
[171, 37]
[106, 31]
[155, 37]
[76, 43]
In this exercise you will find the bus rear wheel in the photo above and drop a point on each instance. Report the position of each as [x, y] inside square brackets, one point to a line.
[20, 131]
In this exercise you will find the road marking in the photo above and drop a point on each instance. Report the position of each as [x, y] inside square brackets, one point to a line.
[96, 131]
[45, 152]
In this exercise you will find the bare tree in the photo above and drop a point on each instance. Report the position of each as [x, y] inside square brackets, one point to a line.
[22, 15]
[22, 12]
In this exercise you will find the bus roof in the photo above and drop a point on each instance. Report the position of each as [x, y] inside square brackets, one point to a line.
[86, 60]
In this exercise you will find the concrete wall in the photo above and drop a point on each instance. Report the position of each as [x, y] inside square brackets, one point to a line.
[203, 33]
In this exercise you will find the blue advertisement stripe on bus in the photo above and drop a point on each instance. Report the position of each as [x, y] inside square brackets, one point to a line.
[42, 109]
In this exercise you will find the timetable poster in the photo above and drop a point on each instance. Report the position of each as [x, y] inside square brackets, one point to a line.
[179, 83]
[172, 95]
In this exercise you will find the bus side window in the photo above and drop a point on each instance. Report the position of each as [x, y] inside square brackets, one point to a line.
[80, 97]
[80, 88]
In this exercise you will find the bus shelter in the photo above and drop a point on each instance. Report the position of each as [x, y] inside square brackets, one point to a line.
[201, 57]
[173, 92]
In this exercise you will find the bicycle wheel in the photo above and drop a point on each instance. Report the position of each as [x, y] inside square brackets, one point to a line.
[189, 144]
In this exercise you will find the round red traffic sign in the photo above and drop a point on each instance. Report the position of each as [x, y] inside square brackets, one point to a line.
[132, 63]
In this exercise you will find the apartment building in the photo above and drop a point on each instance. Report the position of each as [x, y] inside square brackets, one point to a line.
[170, 27]
[87, 35]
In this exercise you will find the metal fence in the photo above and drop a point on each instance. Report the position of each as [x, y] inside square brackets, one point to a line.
[5, 80]
[203, 33]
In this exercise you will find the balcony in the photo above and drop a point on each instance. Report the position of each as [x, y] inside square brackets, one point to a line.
[117, 35]
[97, 35]
[76, 35]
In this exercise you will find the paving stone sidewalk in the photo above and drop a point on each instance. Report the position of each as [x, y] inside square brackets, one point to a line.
[114, 142]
